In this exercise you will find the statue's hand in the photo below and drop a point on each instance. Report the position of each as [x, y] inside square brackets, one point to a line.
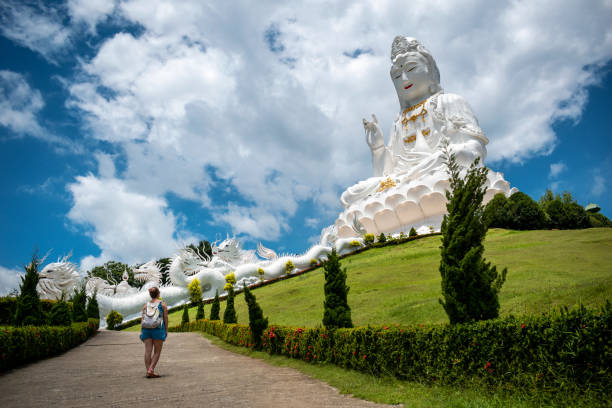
[374, 135]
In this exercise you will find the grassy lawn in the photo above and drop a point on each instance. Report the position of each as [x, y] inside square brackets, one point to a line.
[388, 390]
[401, 284]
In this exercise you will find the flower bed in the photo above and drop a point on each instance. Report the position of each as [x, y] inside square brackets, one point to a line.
[562, 350]
[19, 345]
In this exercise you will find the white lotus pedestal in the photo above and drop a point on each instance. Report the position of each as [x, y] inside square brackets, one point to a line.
[399, 206]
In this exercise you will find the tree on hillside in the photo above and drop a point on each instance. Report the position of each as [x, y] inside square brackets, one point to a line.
[563, 211]
[203, 248]
[229, 315]
[337, 312]
[93, 310]
[28, 310]
[185, 317]
[470, 286]
[257, 321]
[60, 313]
[112, 272]
[79, 304]
[215, 308]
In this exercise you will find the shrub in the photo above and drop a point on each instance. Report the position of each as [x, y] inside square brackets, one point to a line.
[495, 214]
[563, 212]
[79, 302]
[598, 220]
[195, 291]
[200, 312]
[215, 308]
[402, 235]
[337, 312]
[92, 306]
[229, 315]
[561, 350]
[261, 273]
[382, 238]
[257, 322]
[368, 239]
[355, 244]
[470, 285]
[523, 213]
[313, 262]
[60, 314]
[19, 345]
[412, 232]
[113, 319]
[289, 267]
[185, 317]
[230, 280]
[27, 309]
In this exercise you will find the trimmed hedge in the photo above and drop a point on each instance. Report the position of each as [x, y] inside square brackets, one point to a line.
[20, 345]
[8, 304]
[561, 350]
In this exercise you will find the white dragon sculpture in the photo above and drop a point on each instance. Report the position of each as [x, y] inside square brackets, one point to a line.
[189, 264]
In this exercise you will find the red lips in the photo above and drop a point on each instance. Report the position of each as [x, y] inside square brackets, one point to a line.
[408, 86]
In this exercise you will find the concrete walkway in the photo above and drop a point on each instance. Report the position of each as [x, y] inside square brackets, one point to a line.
[108, 371]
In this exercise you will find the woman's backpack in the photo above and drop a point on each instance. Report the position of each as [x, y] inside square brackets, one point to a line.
[151, 318]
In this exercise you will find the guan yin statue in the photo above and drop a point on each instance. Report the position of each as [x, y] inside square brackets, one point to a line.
[407, 190]
[410, 179]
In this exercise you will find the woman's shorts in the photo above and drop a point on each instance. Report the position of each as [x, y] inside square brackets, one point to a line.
[156, 334]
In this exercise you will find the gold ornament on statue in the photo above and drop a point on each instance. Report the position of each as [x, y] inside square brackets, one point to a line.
[386, 184]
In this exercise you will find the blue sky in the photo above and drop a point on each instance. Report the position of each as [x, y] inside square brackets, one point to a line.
[130, 127]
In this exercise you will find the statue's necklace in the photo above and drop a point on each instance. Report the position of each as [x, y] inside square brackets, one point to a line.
[414, 116]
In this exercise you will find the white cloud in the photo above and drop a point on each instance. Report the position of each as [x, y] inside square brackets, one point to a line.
[556, 169]
[312, 222]
[10, 279]
[34, 26]
[126, 226]
[91, 12]
[20, 107]
[599, 185]
[253, 222]
[19, 104]
[201, 90]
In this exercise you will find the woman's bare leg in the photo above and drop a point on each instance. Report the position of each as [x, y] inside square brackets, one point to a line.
[157, 346]
[148, 349]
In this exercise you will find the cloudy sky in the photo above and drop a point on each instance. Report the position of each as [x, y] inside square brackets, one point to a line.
[128, 127]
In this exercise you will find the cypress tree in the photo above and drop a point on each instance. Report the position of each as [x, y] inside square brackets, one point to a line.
[200, 312]
[28, 310]
[229, 315]
[79, 301]
[185, 318]
[470, 285]
[216, 307]
[60, 313]
[412, 232]
[257, 322]
[92, 306]
[337, 312]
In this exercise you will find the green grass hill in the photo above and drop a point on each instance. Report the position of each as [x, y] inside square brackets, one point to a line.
[401, 284]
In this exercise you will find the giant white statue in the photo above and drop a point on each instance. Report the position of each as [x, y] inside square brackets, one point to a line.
[410, 179]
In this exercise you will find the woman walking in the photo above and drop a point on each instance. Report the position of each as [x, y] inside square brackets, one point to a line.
[154, 330]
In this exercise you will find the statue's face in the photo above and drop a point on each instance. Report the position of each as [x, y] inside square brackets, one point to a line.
[411, 77]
